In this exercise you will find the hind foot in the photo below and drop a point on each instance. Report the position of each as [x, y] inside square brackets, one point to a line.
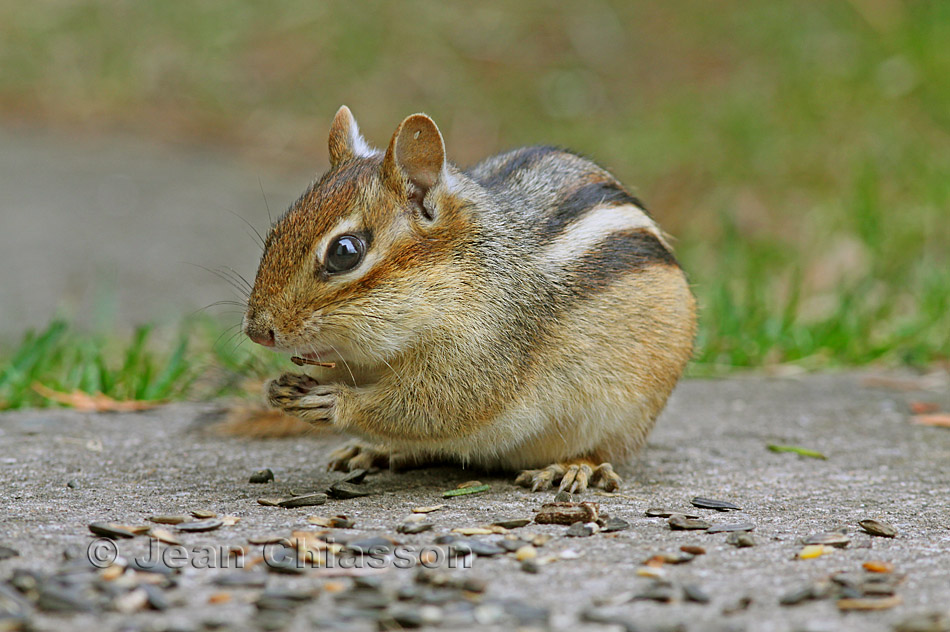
[361, 456]
[571, 476]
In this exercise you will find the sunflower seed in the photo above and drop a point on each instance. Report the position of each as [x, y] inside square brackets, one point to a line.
[615, 524]
[830, 538]
[581, 530]
[511, 523]
[679, 522]
[345, 491]
[204, 514]
[305, 500]
[660, 512]
[740, 539]
[461, 548]
[878, 528]
[728, 528]
[209, 524]
[411, 528]
[692, 592]
[168, 519]
[261, 476]
[710, 503]
[109, 530]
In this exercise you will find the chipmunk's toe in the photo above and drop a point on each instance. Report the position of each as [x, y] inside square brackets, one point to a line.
[286, 390]
[571, 476]
[358, 456]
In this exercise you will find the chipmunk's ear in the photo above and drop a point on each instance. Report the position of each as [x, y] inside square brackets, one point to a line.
[346, 142]
[417, 154]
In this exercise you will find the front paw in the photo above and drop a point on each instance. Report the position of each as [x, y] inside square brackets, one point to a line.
[303, 397]
[288, 388]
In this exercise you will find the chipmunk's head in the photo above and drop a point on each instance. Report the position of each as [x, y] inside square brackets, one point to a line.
[348, 272]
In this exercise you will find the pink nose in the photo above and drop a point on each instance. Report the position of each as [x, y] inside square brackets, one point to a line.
[264, 337]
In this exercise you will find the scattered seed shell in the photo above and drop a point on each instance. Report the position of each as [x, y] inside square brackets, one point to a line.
[615, 524]
[164, 535]
[270, 502]
[661, 512]
[204, 514]
[679, 522]
[878, 528]
[830, 538]
[410, 528]
[209, 524]
[693, 549]
[740, 539]
[168, 519]
[472, 531]
[581, 529]
[511, 523]
[304, 500]
[425, 510]
[109, 530]
[730, 527]
[261, 476]
[711, 503]
[692, 592]
[345, 491]
[884, 603]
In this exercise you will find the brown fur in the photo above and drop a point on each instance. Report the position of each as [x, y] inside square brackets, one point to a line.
[524, 312]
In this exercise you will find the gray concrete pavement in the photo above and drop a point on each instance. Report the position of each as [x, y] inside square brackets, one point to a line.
[711, 441]
[113, 228]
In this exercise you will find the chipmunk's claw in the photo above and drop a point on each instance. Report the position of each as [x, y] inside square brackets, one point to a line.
[571, 476]
[303, 397]
[357, 456]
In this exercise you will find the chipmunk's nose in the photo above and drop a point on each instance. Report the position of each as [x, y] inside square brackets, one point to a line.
[259, 330]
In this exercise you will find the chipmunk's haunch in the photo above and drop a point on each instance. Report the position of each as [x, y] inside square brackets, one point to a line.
[524, 314]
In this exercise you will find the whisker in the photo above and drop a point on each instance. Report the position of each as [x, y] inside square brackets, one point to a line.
[224, 277]
[260, 238]
[345, 363]
[266, 205]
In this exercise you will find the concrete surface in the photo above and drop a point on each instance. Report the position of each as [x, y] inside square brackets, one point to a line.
[711, 441]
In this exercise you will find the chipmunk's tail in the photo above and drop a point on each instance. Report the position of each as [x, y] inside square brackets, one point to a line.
[257, 422]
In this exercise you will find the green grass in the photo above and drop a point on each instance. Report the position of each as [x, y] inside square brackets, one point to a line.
[196, 362]
[799, 151]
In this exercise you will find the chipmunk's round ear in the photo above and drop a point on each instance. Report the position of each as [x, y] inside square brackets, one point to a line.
[416, 153]
[346, 142]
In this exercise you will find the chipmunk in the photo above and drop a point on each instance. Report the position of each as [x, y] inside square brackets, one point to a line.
[525, 314]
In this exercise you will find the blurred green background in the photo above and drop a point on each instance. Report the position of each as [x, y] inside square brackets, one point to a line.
[798, 151]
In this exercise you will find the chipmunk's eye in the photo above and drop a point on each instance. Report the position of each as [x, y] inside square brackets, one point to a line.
[345, 253]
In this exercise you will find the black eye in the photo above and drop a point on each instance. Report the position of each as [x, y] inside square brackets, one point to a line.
[345, 253]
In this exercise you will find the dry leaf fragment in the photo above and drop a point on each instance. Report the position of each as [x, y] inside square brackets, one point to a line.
[939, 420]
[923, 408]
[95, 403]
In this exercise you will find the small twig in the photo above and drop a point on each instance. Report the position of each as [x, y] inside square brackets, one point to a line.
[302, 361]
